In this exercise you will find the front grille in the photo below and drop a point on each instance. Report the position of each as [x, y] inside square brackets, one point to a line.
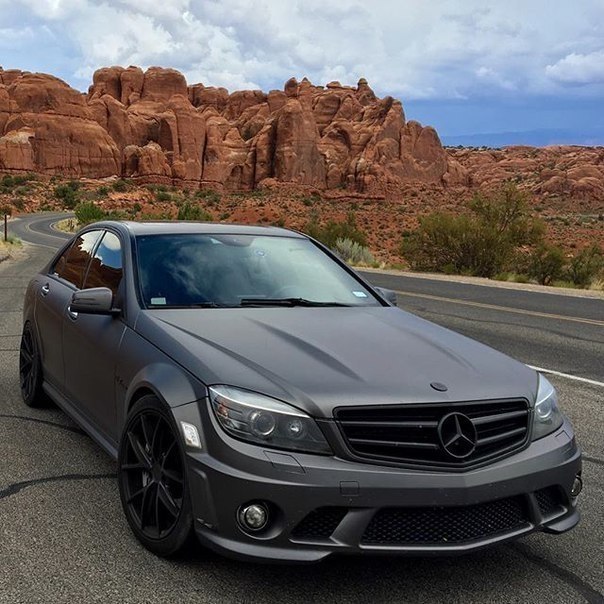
[549, 501]
[409, 434]
[442, 526]
[319, 524]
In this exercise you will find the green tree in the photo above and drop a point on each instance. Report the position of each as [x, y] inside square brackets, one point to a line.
[481, 241]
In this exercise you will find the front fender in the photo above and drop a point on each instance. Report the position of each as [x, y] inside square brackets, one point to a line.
[167, 381]
[141, 367]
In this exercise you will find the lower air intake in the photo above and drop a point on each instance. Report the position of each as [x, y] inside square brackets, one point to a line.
[441, 526]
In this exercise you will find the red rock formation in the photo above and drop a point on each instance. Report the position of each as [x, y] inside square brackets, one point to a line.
[152, 126]
[556, 171]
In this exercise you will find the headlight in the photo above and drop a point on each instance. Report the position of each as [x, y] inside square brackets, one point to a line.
[547, 414]
[262, 420]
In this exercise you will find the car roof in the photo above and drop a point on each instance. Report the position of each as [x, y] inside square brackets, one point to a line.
[173, 227]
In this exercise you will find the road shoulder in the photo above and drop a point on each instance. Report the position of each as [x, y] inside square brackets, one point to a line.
[529, 287]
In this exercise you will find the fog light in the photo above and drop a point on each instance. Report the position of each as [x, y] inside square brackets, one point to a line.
[577, 486]
[253, 517]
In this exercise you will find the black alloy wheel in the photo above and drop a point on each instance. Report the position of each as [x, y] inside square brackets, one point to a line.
[30, 370]
[152, 478]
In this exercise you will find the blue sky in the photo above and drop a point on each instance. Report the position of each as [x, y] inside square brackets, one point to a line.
[528, 68]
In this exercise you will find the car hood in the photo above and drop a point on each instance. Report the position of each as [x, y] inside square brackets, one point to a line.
[322, 358]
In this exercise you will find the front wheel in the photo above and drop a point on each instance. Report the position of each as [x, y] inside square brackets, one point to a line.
[153, 480]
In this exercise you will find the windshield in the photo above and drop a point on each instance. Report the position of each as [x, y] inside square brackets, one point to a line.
[189, 270]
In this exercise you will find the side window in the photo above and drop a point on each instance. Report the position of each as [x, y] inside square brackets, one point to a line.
[72, 264]
[106, 266]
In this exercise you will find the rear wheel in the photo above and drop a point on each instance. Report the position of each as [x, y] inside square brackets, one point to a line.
[30, 369]
[153, 480]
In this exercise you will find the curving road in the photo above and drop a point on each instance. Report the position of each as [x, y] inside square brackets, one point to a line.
[64, 537]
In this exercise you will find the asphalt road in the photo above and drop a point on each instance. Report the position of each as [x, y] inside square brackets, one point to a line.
[64, 538]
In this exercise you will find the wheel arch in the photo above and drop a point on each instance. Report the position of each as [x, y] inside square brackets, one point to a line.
[169, 383]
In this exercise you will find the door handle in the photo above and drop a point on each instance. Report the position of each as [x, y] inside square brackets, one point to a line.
[45, 289]
[72, 315]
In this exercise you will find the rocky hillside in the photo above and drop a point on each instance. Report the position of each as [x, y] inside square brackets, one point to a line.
[276, 157]
[569, 172]
[154, 127]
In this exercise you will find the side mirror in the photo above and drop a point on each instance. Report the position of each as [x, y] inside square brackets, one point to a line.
[93, 301]
[387, 294]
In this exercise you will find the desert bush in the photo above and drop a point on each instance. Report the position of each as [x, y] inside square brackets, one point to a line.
[353, 252]
[545, 263]
[120, 185]
[87, 212]
[68, 194]
[193, 211]
[331, 231]
[9, 181]
[586, 266]
[482, 241]
[210, 196]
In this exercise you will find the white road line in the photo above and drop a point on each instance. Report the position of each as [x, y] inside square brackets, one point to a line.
[568, 376]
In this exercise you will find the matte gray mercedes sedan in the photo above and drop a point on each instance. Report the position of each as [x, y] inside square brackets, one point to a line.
[259, 394]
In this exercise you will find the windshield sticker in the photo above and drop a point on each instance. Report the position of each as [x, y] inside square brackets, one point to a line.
[260, 253]
[158, 301]
[359, 294]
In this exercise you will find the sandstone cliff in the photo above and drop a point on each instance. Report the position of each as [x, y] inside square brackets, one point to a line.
[154, 127]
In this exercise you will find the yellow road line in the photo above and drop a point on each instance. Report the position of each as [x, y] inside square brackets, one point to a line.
[518, 311]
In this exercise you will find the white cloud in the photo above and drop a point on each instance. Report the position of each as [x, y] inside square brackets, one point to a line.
[408, 48]
[578, 69]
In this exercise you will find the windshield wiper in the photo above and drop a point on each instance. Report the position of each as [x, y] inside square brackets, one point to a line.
[286, 302]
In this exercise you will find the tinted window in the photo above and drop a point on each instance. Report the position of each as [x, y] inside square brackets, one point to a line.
[189, 269]
[72, 264]
[106, 266]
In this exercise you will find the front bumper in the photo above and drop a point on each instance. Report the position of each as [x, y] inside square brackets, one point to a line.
[325, 505]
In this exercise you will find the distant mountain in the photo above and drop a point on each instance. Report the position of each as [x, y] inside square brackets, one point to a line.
[535, 138]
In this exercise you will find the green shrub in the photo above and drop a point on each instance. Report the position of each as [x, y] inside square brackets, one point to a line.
[193, 211]
[102, 191]
[163, 196]
[68, 194]
[353, 252]
[482, 241]
[87, 212]
[330, 232]
[120, 185]
[10, 181]
[546, 263]
[586, 266]
[210, 196]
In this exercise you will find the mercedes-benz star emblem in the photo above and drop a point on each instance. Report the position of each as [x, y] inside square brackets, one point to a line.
[457, 435]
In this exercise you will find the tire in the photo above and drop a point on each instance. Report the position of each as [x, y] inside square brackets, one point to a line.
[152, 478]
[30, 369]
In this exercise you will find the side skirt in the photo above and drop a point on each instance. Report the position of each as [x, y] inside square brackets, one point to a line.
[79, 418]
